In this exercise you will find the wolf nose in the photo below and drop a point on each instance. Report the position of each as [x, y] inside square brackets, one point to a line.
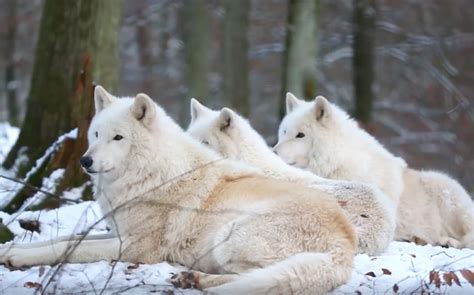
[86, 162]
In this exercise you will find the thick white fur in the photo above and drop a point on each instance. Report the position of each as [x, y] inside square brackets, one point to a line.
[432, 207]
[369, 210]
[170, 198]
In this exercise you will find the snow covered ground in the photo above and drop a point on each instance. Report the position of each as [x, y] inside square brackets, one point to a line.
[403, 268]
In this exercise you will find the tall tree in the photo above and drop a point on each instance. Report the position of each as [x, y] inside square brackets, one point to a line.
[11, 101]
[299, 60]
[236, 69]
[196, 46]
[363, 57]
[77, 43]
[144, 45]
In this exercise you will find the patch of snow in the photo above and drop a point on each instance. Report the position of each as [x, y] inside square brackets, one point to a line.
[48, 185]
[67, 220]
[75, 193]
[8, 136]
[52, 148]
[409, 267]
[8, 188]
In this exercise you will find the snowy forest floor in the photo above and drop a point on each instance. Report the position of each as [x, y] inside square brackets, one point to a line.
[402, 268]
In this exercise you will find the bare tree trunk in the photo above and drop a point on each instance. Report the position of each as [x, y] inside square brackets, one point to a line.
[299, 60]
[196, 45]
[10, 83]
[236, 69]
[144, 46]
[363, 58]
[77, 42]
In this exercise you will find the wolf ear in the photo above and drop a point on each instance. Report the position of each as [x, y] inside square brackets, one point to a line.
[292, 102]
[144, 109]
[322, 108]
[102, 98]
[197, 109]
[226, 116]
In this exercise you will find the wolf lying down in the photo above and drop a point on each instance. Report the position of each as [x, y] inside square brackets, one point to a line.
[431, 207]
[168, 197]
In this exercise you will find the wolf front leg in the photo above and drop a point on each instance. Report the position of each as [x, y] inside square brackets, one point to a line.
[74, 251]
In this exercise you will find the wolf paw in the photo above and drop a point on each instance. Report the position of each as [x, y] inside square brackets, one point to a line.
[449, 242]
[17, 258]
[185, 280]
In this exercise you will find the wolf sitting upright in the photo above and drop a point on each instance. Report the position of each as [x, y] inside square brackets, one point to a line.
[432, 207]
[169, 198]
[369, 210]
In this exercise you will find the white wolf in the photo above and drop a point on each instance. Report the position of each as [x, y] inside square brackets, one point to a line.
[170, 198]
[369, 210]
[432, 207]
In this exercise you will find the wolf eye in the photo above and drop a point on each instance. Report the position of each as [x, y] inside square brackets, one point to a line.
[118, 137]
[96, 134]
[205, 142]
[300, 135]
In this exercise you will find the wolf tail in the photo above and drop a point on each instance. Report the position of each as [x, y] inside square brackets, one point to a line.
[302, 273]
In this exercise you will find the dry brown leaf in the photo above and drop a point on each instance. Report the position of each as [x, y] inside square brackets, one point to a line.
[468, 275]
[395, 288]
[371, 274]
[386, 271]
[33, 285]
[456, 279]
[434, 277]
[448, 278]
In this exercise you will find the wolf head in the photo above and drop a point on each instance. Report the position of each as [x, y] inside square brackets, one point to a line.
[308, 130]
[224, 131]
[118, 126]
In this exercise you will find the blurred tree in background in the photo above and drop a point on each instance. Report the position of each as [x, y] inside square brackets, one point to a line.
[363, 58]
[195, 22]
[10, 79]
[299, 60]
[236, 69]
[77, 43]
